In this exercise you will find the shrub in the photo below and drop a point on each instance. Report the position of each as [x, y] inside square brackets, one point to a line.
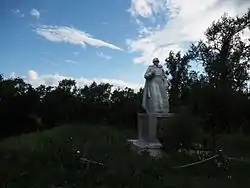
[181, 131]
[49, 159]
[236, 145]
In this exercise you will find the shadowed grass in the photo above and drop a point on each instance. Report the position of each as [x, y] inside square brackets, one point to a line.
[52, 159]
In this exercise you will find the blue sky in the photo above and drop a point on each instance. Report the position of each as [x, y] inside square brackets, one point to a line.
[114, 40]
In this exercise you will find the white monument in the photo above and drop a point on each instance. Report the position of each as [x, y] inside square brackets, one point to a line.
[155, 96]
[155, 102]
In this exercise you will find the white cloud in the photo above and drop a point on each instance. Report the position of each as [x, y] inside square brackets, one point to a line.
[35, 13]
[52, 80]
[13, 75]
[70, 61]
[18, 12]
[103, 56]
[148, 8]
[245, 35]
[32, 75]
[186, 22]
[72, 36]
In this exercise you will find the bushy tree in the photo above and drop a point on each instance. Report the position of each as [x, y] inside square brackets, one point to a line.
[224, 53]
[177, 66]
[22, 105]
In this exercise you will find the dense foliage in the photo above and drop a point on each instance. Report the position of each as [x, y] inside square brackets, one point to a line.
[54, 158]
[26, 109]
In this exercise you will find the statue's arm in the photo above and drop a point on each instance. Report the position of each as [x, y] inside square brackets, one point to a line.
[149, 73]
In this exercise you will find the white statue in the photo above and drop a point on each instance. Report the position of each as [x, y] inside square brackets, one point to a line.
[155, 95]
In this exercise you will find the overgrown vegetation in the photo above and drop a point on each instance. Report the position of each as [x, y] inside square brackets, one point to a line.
[183, 130]
[216, 115]
[51, 159]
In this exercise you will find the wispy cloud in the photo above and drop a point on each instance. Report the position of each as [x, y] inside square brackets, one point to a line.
[52, 80]
[35, 13]
[18, 12]
[70, 61]
[165, 25]
[147, 8]
[103, 56]
[72, 36]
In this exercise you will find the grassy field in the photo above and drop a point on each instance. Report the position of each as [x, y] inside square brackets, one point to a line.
[53, 159]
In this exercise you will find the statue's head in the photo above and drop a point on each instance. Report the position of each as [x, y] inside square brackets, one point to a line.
[156, 61]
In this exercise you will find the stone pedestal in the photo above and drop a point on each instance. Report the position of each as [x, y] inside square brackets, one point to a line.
[154, 149]
[148, 126]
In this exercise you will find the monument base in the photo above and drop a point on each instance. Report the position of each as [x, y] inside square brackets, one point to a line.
[153, 148]
[149, 126]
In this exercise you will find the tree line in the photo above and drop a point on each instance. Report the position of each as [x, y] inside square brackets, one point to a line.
[219, 95]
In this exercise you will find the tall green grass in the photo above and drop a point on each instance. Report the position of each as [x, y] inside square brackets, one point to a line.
[52, 159]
